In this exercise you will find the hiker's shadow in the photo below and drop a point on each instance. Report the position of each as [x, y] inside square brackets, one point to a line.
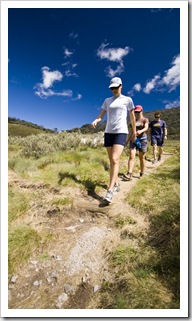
[124, 179]
[88, 184]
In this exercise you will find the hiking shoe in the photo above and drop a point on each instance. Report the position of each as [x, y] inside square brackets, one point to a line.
[141, 174]
[108, 196]
[116, 188]
[159, 158]
[154, 161]
[128, 176]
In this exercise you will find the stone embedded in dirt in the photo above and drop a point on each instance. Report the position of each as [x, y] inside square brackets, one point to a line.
[48, 280]
[84, 279]
[53, 275]
[68, 288]
[37, 283]
[33, 262]
[96, 288]
[58, 258]
[14, 278]
[71, 228]
[61, 299]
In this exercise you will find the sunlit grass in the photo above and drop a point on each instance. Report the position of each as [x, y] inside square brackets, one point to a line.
[62, 201]
[22, 242]
[162, 186]
[122, 221]
[18, 203]
[147, 274]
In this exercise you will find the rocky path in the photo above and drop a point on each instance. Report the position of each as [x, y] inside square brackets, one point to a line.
[67, 272]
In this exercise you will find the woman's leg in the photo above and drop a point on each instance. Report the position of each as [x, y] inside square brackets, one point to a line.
[142, 161]
[160, 151]
[114, 154]
[131, 160]
[155, 151]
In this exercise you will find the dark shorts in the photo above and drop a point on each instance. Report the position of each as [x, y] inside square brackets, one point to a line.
[114, 139]
[144, 144]
[156, 141]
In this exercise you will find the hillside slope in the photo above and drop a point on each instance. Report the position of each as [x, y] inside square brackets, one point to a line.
[171, 116]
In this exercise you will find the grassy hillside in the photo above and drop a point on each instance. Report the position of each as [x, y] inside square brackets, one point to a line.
[17, 127]
[23, 130]
[171, 116]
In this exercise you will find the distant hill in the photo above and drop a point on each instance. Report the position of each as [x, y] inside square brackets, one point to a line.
[171, 116]
[17, 127]
[23, 128]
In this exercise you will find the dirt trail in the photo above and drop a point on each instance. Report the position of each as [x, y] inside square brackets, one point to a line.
[68, 271]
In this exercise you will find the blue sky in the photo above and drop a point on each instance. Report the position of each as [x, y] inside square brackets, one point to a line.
[61, 61]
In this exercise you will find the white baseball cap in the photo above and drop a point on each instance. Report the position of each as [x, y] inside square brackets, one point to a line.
[115, 82]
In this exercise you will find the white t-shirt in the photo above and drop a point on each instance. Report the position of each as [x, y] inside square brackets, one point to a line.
[117, 111]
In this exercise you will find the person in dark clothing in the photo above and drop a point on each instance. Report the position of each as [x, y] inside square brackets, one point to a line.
[158, 133]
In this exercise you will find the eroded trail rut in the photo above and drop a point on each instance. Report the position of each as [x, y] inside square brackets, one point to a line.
[68, 270]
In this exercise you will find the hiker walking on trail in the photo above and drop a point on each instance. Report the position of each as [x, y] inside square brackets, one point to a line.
[118, 108]
[158, 133]
[140, 143]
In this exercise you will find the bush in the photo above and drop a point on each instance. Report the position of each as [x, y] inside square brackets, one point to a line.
[46, 144]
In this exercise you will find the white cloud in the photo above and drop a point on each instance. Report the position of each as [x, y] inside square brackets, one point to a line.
[79, 96]
[151, 84]
[113, 55]
[65, 63]
[73, 35]
[43, 89]
[110, 72]
[49, 77]
[137, 87]
[172, 75]
[171, 104]
[68, 73]
[169, 82]
[45, 93]
[67, 53]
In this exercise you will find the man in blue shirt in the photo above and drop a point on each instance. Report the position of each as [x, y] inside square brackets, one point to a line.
[158, 131]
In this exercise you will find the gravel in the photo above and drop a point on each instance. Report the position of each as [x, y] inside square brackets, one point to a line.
[86, 251]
